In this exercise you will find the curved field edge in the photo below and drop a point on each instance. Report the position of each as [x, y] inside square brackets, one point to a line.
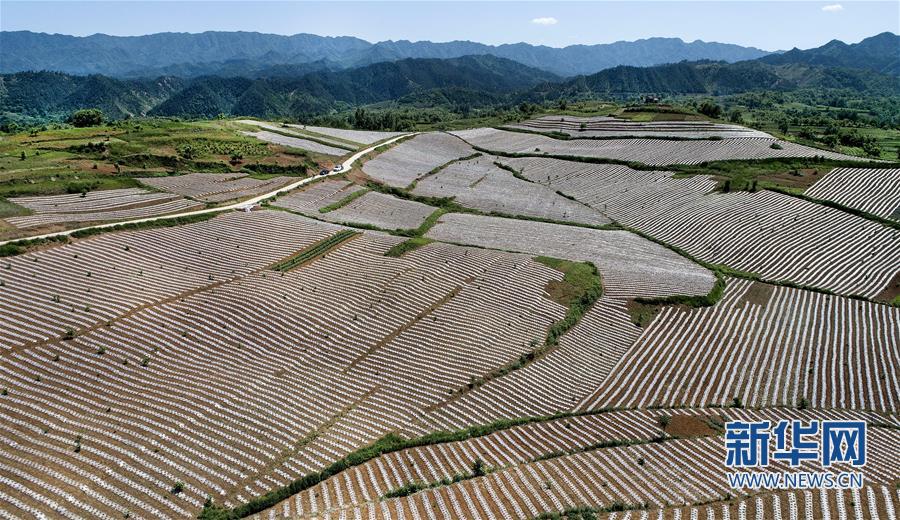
[392, 442]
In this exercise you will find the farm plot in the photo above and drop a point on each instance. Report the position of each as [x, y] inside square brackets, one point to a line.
[317, 195]
[216, 187]
[656, 475]
[96, 206]
[382, 211]
[555, 383]
[297, 131]
[619, 191]
[614, 127]
[237, 388]
[652, 152]
[876, 191]
[870, 502]
[410, 160]
[630, 265]
[356, 136]
[479, 184]
[781, 238]
[60, 291]
[763, 345]
[296, 142]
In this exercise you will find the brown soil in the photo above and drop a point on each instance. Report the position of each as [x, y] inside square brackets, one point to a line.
[758, 294]
[88, 165]
[641, 313]
[689, 426]
[804, 178]
[356, 176]
[891, 291]
[562, 292]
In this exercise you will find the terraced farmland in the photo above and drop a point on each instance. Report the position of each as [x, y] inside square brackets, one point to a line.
[875, 191]
[297, 142]
[619, 191]
[216, 187]
[348, 374]
[763, 346]
[556, 383]
[654, 152]
[356, 136]
[593, 127]
[780, 238]
[630, 265]
[570, 475]
[382, 211]
[104, 205]
[402, 164]
[479, 184]
[393, 350]
[317, 195]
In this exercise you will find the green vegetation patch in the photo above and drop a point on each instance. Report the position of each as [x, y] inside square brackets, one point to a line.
[478, 470]
[343, 202]
[319, 249]
[578, 279]
[407, 246]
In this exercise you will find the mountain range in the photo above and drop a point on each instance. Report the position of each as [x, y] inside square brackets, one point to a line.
[458, 83]
[251, 54]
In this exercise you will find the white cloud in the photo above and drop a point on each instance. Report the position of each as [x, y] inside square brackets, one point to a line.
[545, 20]
[833, 8]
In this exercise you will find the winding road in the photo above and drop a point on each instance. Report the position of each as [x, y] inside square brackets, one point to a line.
[346, 165]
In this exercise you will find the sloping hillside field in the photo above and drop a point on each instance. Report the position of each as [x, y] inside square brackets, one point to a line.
[483, 324]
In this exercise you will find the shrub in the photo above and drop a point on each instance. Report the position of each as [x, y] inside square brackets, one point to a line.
[178, 487]
[664, 421]
[86, 117]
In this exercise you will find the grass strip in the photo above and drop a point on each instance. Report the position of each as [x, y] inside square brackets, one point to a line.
[436, 169]
[406, 246]
[316, 250]
[343, 202]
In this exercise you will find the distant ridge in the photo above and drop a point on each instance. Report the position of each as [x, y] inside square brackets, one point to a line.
[879, 53]
[247, 53]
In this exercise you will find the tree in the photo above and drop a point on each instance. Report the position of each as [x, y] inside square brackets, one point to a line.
[86, 117]
[783, 126]
[736, 116]
[871, 149]
[710, 109]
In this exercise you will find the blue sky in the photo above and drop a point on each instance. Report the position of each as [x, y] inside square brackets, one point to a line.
[768, 25]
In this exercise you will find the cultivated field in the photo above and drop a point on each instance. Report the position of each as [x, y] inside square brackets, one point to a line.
[556, 383]
[356, 136]
[594, 127]
[382, 211]
[317, 195]
[618, 191]
[763, 346]
[116, 363]
[875, 191]
[630, 265]
[444, 333]
[781, 238]
[576, 469]
[479, 184]
[297, 142]
[654, 152]
[105, 205]
[216, 187]
[404, 163]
